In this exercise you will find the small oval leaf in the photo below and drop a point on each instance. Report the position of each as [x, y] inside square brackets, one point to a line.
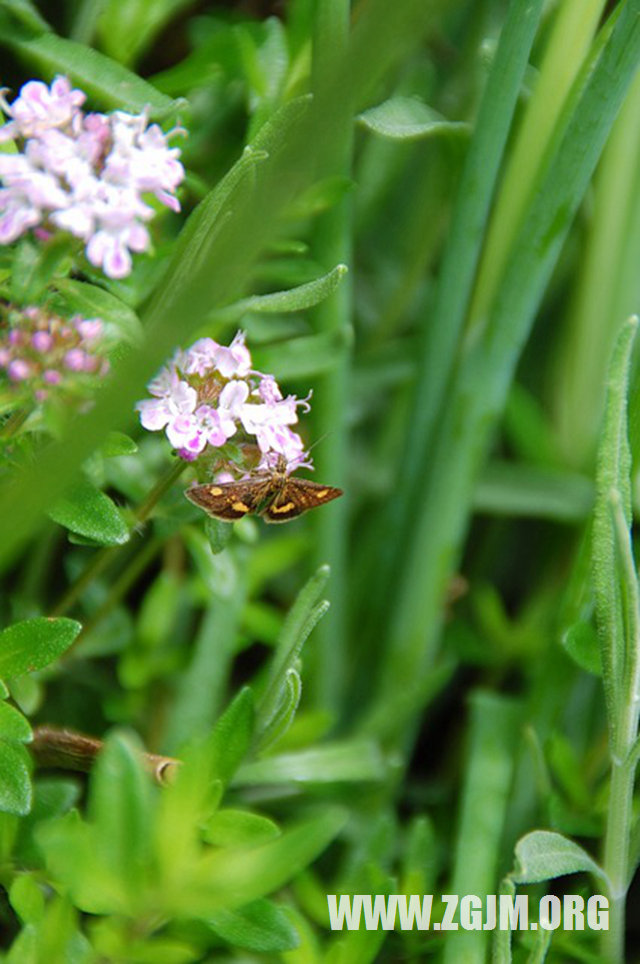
[33, 643]
[239, 828]
[543, 855]
[90, 513]
[93, 302]
[15, 785]
[13, 725]
[259, 926]
[407, 118]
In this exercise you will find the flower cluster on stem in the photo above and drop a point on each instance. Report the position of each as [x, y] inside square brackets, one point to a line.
[41, 353]
[210, 394]
[83, 173]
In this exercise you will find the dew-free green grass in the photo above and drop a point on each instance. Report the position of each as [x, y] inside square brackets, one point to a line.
[425, 217]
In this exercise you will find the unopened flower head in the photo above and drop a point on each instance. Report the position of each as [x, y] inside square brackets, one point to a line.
[42, 354]
[210, 394]
[87, 174]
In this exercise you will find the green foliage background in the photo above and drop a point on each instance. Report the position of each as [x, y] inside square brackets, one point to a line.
[475, 167]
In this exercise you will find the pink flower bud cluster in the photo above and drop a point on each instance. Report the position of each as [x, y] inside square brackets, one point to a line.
[83, 173]
[210, 394]
[42, 352]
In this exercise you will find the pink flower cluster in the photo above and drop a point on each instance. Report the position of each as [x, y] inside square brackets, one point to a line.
[210, 394]
[83, 173]
[43, 352]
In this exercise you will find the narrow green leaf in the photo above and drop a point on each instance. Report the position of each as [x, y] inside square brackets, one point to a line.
[490, 765]
[75, 856]
[120, 801]
[231, 738]
[127, 29]
[90, 301]
[26, 13]
[34, 643]
[283, 715]
[104, 80]
[302, 617]
[13, 725]
[239, 828]
[261, 926]
[543, 855]
[613, 477]
[407, 118]
[15, 785]
[345, 762]
[27, 898]
[90, 513]
[234, 883]
[273, 134]
[295, 299]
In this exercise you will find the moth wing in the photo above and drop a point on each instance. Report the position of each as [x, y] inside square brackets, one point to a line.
[227, 501]
[296, 497]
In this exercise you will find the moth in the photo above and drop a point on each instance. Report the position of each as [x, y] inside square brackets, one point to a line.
[273, 494]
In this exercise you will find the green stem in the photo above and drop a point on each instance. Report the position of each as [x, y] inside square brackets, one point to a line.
[623, 740]
[332, 245]
[103, 557]
[616, 856]
[121, 586]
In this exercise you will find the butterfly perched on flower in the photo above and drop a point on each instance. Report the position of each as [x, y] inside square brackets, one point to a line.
[273, 494]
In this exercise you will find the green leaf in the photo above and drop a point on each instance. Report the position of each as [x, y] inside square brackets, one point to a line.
[491, 758]
[74, 855]
[120, 800]
[614, 586]
[90, 513]
[51, 798]
[580, 641]
[27, 898]
[302, 618]
[34, 643]
[35, 265]
[407, 118]
[260, 926]
[344, 762]
[15, 784]
[239, 828]
[543, 855]
[90, 301]
[104, 80]
[26, 13]
[218, 533]
[127, 29]
[283, 715]
[221, 881]
[13, 725]
[117, 443]
[295, 299]
[231, 737]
